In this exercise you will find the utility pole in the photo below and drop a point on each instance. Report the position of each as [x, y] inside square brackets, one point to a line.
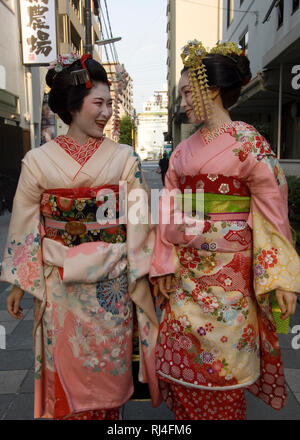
[88, 28]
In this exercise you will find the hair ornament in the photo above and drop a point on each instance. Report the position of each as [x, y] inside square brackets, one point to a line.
[64, 60]
[228, 48]
[82, 76]
[192, 56]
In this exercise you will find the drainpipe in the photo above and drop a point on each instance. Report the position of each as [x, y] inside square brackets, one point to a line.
[88, 27]
[30, 107]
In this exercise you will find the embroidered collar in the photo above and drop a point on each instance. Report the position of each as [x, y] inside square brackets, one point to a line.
[210, 136]
[80, 153]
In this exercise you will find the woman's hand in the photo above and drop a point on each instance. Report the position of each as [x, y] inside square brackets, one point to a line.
[165, 285]
[13, 303]
[287, 302]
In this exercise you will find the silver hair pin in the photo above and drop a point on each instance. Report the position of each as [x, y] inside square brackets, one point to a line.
[80, 77]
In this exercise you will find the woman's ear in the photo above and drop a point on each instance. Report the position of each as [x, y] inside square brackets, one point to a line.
[214, 92]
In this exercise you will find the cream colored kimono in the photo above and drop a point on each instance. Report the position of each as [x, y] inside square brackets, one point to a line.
[82, 350]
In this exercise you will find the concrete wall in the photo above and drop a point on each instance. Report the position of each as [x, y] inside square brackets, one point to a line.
[11, 57]
[151, 128]
[199, 19]
[266, 41]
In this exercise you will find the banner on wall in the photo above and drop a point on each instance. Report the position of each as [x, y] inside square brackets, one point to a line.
[38, 31]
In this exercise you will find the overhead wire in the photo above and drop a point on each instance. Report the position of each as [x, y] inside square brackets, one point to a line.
[111, 34]
[107, 33]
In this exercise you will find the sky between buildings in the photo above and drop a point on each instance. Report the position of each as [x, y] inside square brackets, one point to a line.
[142, 26]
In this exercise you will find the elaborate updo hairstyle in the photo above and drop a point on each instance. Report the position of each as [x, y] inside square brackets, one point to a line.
[66, 97]
[229, 73]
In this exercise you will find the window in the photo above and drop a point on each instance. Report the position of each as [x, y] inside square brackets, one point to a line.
[244, 41]
[280, 8]
[295, 5]
[230, 12]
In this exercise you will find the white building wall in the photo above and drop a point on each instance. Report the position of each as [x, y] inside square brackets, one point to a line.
[12, 72]
[268, 47]
[266, 41]
[188, 20]
[151, 129]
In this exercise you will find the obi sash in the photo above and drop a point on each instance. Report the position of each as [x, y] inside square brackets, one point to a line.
[224, 207]
[216, 207]
[70, 215]
[219, 197]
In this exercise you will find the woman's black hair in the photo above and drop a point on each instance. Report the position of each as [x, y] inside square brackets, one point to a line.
[65, 97]
[229, 74]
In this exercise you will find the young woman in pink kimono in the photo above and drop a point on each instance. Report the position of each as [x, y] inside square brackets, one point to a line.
[86, 277]
[214, 276]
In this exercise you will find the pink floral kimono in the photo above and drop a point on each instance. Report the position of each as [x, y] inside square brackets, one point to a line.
[87, 278]
[217, 331]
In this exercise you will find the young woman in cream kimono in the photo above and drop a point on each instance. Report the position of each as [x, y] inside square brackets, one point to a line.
[87, 278]
[217, 336]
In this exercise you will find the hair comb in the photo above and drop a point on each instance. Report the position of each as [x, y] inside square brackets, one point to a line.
[80, 77]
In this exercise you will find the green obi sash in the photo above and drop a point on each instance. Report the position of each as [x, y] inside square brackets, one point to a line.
[213, 203]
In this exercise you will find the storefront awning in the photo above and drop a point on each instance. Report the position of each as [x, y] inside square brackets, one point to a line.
[261, 95]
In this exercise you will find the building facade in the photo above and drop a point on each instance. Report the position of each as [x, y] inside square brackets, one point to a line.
[14, 92]
[125, 100]
[270, 33]
[152, 124]
[187, 20]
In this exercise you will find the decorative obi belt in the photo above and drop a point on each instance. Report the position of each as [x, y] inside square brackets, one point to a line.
[71, 215]
[220, 198]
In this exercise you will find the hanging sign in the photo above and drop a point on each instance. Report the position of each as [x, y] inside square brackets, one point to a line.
[38, 31]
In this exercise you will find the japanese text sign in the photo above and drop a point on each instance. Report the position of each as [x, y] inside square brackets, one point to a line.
[38, 31]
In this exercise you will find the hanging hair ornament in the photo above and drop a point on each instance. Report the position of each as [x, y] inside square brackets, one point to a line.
[192, 56]
[82, 76]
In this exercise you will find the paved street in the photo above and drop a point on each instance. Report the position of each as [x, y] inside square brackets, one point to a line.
[17, 360]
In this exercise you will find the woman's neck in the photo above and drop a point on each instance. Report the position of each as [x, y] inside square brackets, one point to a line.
[77, 135]
[219, 117]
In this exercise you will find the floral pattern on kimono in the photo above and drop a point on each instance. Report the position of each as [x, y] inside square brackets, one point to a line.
[83, 344]
[217, 331]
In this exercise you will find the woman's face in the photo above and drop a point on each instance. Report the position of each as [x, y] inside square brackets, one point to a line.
[95, 112]
[187, 105]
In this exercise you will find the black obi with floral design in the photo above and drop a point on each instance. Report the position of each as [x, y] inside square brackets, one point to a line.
[70, 215]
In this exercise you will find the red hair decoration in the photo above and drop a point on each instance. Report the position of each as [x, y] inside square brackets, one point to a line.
[83, 59]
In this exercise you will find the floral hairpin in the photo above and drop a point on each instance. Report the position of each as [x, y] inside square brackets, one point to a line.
[63, 61]
[80, 76]
[227, 48]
